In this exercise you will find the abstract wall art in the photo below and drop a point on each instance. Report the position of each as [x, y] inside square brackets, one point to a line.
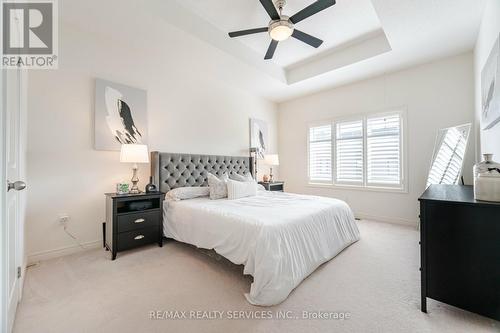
[259, 136]
[490, 89]
[120, 115]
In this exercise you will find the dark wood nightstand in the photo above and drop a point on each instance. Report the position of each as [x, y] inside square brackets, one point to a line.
[274, 186]
[133, 220]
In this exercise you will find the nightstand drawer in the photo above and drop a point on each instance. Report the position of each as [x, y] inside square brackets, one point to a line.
[276, 186]
[136, 221]
[131, 239]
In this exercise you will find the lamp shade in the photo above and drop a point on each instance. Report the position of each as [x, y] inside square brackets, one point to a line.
[133, 153]
[272, 159]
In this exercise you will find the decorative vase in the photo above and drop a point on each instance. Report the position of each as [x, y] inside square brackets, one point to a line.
[483, 166]
[487, 179]
[150, 188]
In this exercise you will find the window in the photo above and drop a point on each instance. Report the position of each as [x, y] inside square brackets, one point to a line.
[349, 152]
[320, 153]
[367, 152]
[383, 150]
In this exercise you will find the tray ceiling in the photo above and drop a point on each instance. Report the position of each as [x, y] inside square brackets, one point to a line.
[346, 21]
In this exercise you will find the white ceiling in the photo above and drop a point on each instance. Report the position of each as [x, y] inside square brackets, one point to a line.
[363, 38]
[337, 25]
[417, 31]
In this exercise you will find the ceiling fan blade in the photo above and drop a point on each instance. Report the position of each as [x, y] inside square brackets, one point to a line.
[271, 49]
[312, 9]
[270, 9]
[247, 32]
[306, 38]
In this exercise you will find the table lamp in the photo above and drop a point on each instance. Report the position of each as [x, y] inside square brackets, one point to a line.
[134, 153]
[271, 160]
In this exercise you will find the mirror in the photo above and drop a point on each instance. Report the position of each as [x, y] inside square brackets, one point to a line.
[448, 156]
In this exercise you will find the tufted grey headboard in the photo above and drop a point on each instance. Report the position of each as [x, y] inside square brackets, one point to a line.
[171, 170]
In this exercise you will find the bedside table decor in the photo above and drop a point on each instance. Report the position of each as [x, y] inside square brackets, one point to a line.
[271, 160]
[150, 187]
[122, 188]
[134, 153]
[133, 220]
[277, 186]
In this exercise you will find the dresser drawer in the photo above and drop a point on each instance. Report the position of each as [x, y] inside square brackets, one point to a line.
[135, 238]
[137, 221]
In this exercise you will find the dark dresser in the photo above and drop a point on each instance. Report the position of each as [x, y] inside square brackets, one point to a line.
[132, 220]
[460, 249]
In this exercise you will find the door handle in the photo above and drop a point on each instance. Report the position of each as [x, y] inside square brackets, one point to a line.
[18, 186]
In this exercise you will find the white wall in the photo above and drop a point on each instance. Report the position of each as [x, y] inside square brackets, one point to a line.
[490, 30]
[436, 95]
[191, 109]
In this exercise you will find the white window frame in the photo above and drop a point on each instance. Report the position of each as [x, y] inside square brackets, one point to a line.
[365, 186]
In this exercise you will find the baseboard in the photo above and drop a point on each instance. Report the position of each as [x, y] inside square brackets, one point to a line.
[63, 251]
[393, 220]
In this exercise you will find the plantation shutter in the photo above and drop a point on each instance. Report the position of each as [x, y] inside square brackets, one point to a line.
[320, 154]
[349, 152]
[383, 146]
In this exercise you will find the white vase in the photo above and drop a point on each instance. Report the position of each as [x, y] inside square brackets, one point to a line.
[487, 179]
[485, 165]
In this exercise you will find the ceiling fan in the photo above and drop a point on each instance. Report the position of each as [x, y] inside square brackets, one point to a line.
[282, 27]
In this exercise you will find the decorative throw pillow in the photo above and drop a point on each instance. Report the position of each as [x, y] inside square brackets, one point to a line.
[217, 186]
[184, 193]
[249, 177]
[237, 189]
[242, 178]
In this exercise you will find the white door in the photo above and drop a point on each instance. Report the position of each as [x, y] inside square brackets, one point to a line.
[12, 159]
[13, 224]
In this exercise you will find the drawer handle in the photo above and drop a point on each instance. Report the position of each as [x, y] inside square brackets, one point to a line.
[139, 237]
[140, 221]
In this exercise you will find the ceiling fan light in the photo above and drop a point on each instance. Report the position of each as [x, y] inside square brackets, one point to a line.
[281, 30]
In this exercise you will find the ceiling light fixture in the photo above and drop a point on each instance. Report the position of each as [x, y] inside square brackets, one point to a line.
[282, 27]
[281, 30]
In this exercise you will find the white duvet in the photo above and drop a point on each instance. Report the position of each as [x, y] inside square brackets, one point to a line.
[280, 238]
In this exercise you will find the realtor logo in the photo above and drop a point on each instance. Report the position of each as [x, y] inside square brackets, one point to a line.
[29, 34]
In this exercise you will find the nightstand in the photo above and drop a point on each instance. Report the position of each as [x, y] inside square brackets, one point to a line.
[274, 186]
[133, 220]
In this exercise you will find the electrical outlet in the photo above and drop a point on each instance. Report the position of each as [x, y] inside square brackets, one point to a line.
[64, 219]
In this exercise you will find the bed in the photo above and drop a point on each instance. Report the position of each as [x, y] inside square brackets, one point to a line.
[280, 238]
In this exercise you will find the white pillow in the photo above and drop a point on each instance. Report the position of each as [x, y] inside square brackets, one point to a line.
[242, 178]
[183, 193]
[217, 186]
[236, 189]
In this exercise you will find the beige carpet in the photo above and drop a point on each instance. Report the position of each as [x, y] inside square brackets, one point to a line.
[375, 280]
